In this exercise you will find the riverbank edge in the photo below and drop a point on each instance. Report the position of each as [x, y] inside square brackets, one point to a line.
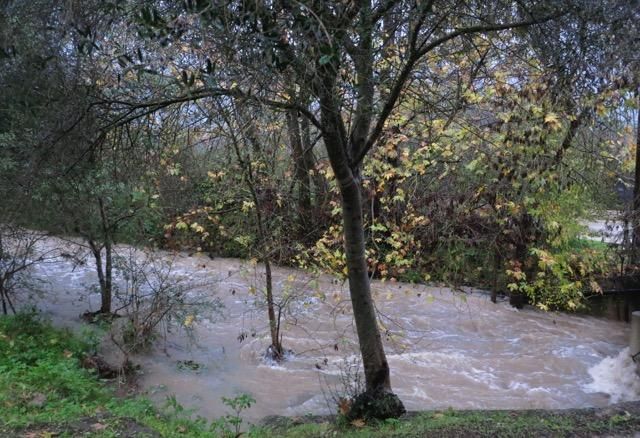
[620, 420]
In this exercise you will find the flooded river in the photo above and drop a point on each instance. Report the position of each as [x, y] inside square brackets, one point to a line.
[445, 349]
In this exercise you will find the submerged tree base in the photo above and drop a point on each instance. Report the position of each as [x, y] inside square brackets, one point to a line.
[276, 354]
[98, 317]
[378, 405]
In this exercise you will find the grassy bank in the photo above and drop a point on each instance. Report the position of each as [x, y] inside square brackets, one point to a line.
[623, 420]
[45, 392]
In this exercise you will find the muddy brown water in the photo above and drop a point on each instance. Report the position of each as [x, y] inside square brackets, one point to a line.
[445, 349]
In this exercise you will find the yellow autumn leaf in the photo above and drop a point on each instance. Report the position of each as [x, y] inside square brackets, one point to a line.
[601, 110]
[247, 206]
[552, 120]
[197, 227]
[595, 286]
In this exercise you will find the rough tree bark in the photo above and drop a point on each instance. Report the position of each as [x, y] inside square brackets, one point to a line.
[378, 400]
[635, 214]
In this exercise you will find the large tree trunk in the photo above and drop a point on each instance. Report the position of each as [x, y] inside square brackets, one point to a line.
[376, 368]
[377, 401]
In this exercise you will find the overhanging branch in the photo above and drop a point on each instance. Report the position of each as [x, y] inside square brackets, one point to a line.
[419, 53]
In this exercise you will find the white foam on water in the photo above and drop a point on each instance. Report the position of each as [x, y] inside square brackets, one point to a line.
[617, 377]
[267, 362]
[420, 394]
[431, 358]
[486, 377]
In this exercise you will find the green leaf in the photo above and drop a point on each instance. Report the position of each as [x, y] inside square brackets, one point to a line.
[325, 59]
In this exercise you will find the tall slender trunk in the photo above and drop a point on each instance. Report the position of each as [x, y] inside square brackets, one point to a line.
[6, 300]
[2, 296]
[307, 150]
[635, 214]
[344, 150]
[107, 233]
[274, 323]
[376, 367]
[374, 361]
[319, 188]
[105, 306]
[301, 171]
[104, 277]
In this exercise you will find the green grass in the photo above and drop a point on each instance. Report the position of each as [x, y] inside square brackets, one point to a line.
[43, 387]
[45, 392]
[452, 423]
[578, 244]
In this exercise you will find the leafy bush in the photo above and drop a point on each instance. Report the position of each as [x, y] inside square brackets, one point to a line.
[152, 295]
[230, 424]
[560, 279]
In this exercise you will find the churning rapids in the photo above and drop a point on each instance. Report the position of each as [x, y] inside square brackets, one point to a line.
[445, 349]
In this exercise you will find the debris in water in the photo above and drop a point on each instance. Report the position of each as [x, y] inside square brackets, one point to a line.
[189, 365]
